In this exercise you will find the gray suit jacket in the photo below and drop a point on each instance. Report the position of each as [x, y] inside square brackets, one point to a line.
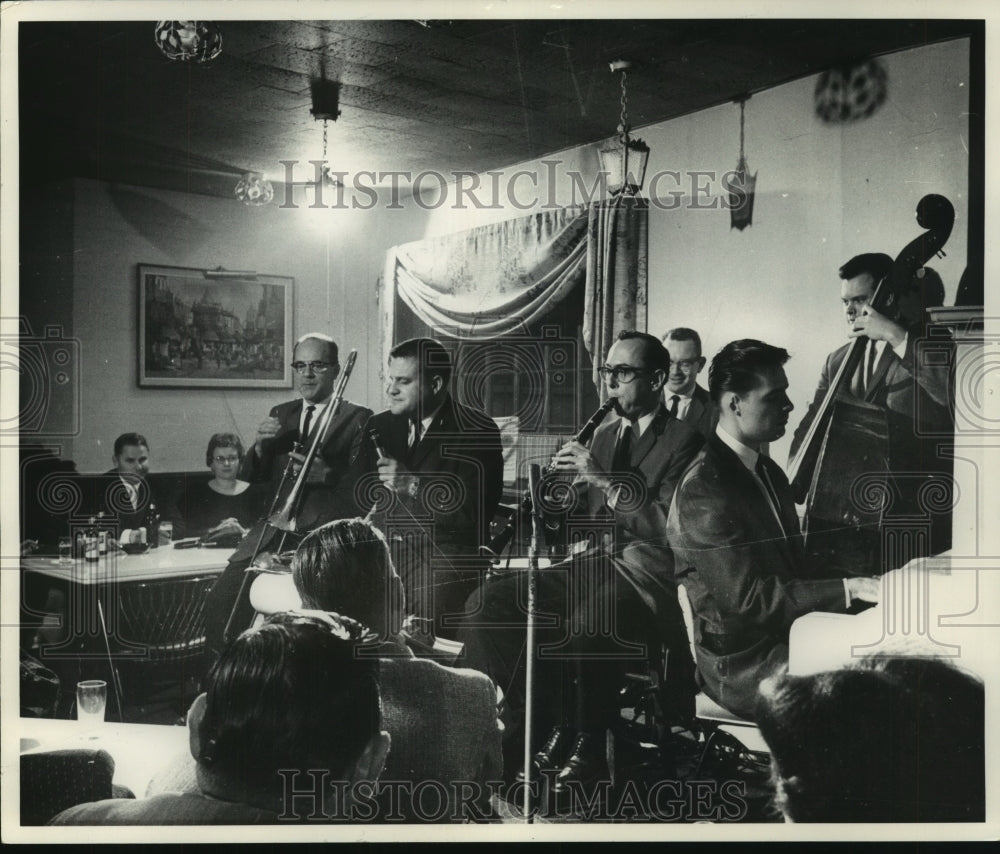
[744, 573]
[701, 414]
[658, 460]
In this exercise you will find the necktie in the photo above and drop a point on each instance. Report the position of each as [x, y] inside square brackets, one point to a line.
[307, 424]
[623, 451]
[870, 369]
[772, 495]
[414, 436]
[675, 400]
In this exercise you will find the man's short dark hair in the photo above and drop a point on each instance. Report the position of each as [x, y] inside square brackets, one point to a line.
[683, 333]
[430, 355]
[878, 265]
[924, 761]
[737, 366]
[654, 354]
[223, 440]
[345, 566]
[129, 439]
[291, 694]
[332, 352]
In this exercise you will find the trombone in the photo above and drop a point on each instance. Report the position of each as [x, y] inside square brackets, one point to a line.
[283, 515]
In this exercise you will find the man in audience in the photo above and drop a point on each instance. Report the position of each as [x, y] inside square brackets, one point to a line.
[442, 720]
[912, 396]
[124, 492]
[886, 739]
[443, 463]
[736, 539]
[621, 492]
[287, 704]
[316, 364]
[684, 398]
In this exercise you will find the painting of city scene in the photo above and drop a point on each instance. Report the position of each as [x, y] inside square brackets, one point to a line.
[214, 329]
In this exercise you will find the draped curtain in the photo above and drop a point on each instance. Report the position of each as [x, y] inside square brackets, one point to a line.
[493, 280]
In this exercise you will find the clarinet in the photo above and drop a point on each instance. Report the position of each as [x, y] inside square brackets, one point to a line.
[502, 540]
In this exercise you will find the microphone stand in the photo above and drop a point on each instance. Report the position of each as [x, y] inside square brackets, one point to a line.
[537, 525]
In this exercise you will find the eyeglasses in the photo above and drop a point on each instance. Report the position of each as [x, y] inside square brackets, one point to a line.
[226, 461]
[685, 364]
[315, 367]
[623, 374]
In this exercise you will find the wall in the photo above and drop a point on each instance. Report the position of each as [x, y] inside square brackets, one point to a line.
[335, 257]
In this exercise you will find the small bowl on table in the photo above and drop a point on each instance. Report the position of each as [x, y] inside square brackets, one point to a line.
[134, 548]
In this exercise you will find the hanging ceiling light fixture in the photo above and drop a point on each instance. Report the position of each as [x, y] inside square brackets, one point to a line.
[187, 40]
[254, 189]
[741, 185]
[623, 159]
[326, 108]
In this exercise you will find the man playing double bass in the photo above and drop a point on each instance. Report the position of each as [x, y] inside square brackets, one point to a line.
[913, 396]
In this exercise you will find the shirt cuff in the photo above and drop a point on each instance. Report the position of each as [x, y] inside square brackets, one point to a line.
[901, 349]
[847, 595]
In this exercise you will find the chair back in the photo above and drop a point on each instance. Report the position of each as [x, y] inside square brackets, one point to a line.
[165, 618]
[56, 780]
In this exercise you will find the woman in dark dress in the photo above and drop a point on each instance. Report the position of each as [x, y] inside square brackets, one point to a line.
[224, 505]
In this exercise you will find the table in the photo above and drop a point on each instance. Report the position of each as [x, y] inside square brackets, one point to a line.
[156, 564]
[139, 750]
[93, 588]
[946, 606]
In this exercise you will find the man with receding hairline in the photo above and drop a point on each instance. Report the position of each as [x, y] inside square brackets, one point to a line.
[684, 398]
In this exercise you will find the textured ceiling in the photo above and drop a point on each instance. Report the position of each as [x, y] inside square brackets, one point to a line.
[97, 99]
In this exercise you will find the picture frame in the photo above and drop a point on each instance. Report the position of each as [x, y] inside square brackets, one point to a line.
[213, 328]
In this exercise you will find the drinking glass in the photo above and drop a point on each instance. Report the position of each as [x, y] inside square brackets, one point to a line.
[166, 533]
[91, 698]
[66, 550]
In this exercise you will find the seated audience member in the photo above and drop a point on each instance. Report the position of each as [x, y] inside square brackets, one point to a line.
[124, 493]
[224, 505]
[292, 695]
[736, 539]
[443, 721]
[886, 739]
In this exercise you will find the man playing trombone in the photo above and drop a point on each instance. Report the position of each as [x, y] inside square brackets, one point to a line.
[290, 429]
[316, 365]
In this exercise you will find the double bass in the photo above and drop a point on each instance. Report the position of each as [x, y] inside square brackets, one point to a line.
[841, 471]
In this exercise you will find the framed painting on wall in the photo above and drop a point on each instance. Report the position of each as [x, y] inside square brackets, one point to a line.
[214, 328]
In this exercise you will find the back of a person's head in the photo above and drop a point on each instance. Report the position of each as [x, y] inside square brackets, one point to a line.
[345, 566]
[290, 695]
[885, 740]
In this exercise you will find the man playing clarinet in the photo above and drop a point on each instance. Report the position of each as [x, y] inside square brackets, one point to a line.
[621, 493]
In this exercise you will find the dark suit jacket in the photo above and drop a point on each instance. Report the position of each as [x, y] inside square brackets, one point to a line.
[702, 414]
[744, 573]
[917, 403]
[107, 494]
[459, 464]
[318, 504]
[658, 460]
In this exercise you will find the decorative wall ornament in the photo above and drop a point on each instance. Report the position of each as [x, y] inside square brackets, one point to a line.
[742, 185]
[851, 93]
[200, 41]
[254, 190]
